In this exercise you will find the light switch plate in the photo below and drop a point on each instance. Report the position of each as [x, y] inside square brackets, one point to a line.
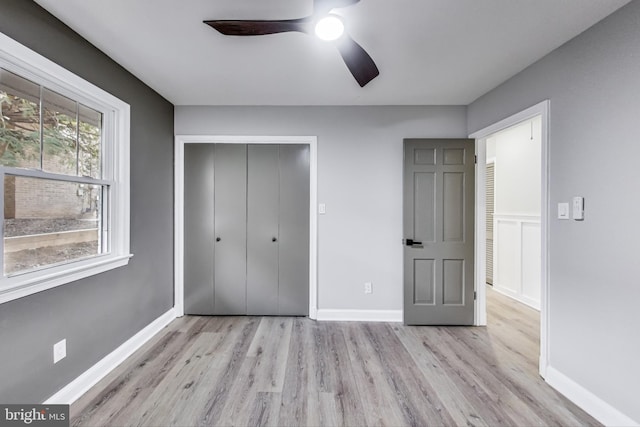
[563, 210]
[322, 209]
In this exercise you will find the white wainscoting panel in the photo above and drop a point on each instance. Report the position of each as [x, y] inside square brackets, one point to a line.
[517, 257]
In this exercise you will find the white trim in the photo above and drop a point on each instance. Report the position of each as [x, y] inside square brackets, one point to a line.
[37, 67]
[37, 173]
[313, 228]
[178, 228]
[76, 388]
[541, 109]
[29, 64]
[181, 140]
[60, 275]
[518, 297]
[592, 404]
[480, 231]
[517, 217]
[330, 315]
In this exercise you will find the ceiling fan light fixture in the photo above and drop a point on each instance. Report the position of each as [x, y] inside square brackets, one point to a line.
[329, 28]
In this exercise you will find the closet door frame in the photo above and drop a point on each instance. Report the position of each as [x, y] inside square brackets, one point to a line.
[180, 141]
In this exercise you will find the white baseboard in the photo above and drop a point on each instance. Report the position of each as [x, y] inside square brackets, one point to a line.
[589, 402]
[76, 388]
[359, 315]
[535, 304]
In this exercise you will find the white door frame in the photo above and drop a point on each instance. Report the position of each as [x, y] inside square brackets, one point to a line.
[180, 141]
[541, 109]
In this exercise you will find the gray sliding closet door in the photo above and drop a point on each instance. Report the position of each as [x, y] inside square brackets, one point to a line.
[230, 261]
[198, 228]
[278, 230]
[294, 230]
[246, 229]
[263, 191]
[215, 229]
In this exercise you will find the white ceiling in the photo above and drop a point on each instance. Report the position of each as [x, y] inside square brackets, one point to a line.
[429, 52]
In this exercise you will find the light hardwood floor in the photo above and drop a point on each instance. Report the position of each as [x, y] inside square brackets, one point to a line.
[250, 371]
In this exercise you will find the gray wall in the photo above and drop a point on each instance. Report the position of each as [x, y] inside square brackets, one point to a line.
[97, 314]
[359, 179]
[593, 83]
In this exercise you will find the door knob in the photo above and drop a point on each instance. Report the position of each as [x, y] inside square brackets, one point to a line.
[218, 239]
[411, 242]
[273, 239]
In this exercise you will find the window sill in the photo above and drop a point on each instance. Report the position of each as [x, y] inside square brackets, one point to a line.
[31, 283]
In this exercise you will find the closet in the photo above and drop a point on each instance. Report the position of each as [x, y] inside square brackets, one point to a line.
[246, 229]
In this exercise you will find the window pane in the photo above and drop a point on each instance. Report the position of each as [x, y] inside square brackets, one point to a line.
[19, 121]
[49, 222]
[90, 140]
[60, 133]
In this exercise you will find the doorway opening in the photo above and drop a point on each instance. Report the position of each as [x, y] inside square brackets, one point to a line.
[516, 240]
[513, 163]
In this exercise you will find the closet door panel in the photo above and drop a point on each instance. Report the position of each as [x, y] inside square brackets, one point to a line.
[262, 229]
[198, 229]
[230, 166]
[294, 231]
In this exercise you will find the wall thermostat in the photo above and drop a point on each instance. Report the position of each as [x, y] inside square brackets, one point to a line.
[578, 208]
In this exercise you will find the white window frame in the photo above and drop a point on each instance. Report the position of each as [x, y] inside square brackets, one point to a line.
[18, 59]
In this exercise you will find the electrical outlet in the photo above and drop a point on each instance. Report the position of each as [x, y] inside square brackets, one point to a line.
[59, 351]
[368, 288]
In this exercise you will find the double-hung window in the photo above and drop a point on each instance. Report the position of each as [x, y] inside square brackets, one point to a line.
[64, 175]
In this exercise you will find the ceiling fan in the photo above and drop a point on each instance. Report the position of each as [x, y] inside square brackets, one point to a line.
[327, 26]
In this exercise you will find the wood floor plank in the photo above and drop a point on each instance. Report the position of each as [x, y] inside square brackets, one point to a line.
[299, 399]
[241, 395]
[379, 401]
[171, 401]
[263, 369]
[264, 409]
[418, 400]
[271, 349]
[123, 391]
[522, 378]
[328, 410]
[465, 377]
[482, 375]
[461, 410]
[271, 371]
[347, 399]
[218, 392]
[506, 390]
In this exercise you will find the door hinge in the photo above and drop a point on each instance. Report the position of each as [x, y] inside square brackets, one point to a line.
[475, 295]
[475, 159]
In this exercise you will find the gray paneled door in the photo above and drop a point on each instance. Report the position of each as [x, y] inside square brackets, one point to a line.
[439, 231]
[246, 229]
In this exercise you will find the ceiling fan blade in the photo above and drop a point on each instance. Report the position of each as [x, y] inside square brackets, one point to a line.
[358, 60]
[259, 28]
[322, 7]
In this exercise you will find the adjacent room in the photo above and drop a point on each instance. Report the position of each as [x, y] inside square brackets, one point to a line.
[330, 212]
